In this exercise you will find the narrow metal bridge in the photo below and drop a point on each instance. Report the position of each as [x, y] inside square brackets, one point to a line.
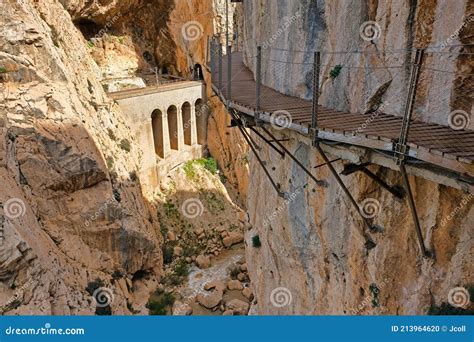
[402, 138]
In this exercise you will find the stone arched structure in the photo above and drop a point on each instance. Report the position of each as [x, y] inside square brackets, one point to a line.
[159, 139]
[163, 120]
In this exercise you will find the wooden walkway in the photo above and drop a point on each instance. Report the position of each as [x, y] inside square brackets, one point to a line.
[435, 144]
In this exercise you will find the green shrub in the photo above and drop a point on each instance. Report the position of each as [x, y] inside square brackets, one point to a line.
[167, 254]
[210, 164]
[111, 134]
[110, 162]
[170, 209]
[3, 70]
[181, 269]
[256, 241]
[125, 145]
[335, 71]
[189, 170]
[160, 304]
[94, 285]
[234, 272]
[90, 44]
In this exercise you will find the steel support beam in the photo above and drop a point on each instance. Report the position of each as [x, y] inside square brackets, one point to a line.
[317, 181]
[260, 161]
[394, 190]
[369, 243]
[282, 154]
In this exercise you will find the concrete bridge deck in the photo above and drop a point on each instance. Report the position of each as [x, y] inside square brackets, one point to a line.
[432, 143]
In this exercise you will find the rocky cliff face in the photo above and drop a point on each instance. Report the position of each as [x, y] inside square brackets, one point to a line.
[312, 259]
[73, 215]
[289, 32]
[311, 246]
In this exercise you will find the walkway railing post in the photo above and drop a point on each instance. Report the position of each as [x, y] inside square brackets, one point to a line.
[212, 59]
[401, 147]
[220, 67]
[229, 73]
[315, 103]
[258, 79]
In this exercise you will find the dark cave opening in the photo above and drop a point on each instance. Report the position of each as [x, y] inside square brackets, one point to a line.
[89, 28]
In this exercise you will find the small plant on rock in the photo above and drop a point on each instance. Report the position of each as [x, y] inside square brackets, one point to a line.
[335, 71]
[256, 241]
[125, 145]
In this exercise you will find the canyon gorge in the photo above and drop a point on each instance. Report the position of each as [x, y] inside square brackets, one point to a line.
[123, 174]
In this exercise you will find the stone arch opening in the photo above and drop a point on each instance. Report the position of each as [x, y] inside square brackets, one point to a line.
[201, 120]
[187, 124]
[158, 138]
[173, 127]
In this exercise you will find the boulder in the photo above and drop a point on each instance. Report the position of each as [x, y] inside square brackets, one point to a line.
[177, 251]
[228, 313]
[241, 276]
[232, 239]
[203, 261]
[199, 231]
[182, 309]
[238, 306]
[247, 293]
[243, 267]
[235, 285]
[211, 300]
[171, 236]
[215, 284]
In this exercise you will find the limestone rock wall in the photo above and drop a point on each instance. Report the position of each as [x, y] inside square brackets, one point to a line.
[310, 245]
[367, 78]
[72, 210]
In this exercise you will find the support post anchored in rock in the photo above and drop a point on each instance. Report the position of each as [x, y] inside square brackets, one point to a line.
[401, 147]
[281, 153]
[317, 181]
[349, 169]
[229, 75]
[220, 67]
[248, 139]
[315, 101]
[258, 85]
[369, 243]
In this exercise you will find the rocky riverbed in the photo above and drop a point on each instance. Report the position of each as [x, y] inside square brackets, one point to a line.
[205, 272]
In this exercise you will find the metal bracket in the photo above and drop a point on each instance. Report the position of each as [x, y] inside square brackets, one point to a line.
[349, 169]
